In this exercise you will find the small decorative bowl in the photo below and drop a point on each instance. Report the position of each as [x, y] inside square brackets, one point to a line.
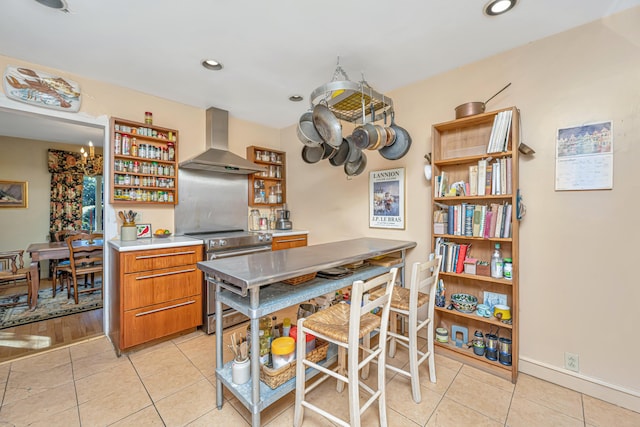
[464, 303]
[161, 235]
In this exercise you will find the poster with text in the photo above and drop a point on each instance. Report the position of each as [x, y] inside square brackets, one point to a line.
[386, 199]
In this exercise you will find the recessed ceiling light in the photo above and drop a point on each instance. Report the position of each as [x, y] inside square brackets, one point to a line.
[55, 4]
[296, 98]
[212, 64]
[498, 7]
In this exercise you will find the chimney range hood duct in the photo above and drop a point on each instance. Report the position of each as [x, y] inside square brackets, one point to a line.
[217, 157]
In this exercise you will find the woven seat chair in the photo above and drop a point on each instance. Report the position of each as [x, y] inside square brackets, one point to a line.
[406, 303]
[345, 325]
[83, 260]
[57, 267]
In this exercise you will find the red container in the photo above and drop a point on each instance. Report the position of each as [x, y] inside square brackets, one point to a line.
[311, 340]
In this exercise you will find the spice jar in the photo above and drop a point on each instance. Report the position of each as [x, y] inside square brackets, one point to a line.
[254, 220]
[148, 118]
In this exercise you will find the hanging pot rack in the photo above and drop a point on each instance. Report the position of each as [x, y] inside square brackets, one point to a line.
[345, 99]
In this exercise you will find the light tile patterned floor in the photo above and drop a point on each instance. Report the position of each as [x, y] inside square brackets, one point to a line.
[173, 384]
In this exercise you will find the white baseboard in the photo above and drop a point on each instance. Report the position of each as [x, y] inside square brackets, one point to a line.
[599, 389]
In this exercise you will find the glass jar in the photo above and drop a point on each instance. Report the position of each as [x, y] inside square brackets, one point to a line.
[254, 220]
[148, 118]
[172, 150]
[117, 149]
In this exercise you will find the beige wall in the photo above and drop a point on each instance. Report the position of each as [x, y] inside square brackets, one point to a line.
[577, 286]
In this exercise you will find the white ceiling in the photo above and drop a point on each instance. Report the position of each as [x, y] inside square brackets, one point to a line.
[273, 49]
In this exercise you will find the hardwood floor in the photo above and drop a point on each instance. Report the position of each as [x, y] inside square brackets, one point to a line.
[35, 337]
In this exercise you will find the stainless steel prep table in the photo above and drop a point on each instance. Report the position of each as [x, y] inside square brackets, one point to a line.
[241, 282]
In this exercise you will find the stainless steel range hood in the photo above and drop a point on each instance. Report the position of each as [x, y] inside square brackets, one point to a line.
[217, 157]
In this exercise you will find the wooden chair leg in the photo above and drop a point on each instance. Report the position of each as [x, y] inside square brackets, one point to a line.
[413, 359]
[342, 366]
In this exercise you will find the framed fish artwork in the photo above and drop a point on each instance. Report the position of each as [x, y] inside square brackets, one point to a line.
[41, 89]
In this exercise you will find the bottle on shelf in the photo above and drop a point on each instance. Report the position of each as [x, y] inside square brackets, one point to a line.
[497, 265]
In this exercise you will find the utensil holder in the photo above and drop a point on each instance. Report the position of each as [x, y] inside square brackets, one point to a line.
[240, 371]
[128, 232]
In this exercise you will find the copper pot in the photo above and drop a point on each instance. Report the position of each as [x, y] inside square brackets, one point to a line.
[472, 108]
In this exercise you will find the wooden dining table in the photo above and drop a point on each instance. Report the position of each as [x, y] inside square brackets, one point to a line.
[50, 250]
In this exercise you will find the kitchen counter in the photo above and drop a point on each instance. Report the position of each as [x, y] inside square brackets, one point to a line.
[252, 271]
[153, 243]
[241, 282]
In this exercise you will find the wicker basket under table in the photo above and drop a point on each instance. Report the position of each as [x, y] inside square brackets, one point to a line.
[274, 378]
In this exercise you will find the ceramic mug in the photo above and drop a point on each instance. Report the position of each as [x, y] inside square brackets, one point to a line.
[502, 312]
[483, 310]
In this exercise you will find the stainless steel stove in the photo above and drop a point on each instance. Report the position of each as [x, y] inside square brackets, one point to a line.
[220, 244]
[232, 242]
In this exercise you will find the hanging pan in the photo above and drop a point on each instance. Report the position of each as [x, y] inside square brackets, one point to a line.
[356, 167]
[307, 132]
[312, 154]
[473, 108]
[400, 145]
[342, 155]
[328, 125]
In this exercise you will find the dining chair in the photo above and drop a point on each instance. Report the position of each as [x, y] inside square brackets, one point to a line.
[406, 303]
[345, 325]
[14, 272]
[85, 260]
[54, 270]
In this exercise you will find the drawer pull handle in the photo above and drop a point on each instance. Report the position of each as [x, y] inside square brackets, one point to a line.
[163, 255]
[144, 313]
[299, 239]
[151, 276]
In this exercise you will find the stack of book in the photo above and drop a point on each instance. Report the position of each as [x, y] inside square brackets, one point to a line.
[499, 139]
[479, 220]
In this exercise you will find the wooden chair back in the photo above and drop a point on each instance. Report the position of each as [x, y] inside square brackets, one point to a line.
[84, 258]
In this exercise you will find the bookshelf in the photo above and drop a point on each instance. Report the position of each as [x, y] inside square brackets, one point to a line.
[459, 147]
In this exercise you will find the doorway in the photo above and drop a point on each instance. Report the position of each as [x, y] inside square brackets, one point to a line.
[36, 124]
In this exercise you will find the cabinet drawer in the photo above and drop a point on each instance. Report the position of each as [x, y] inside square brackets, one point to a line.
[161, 258]
[288, 242]
[146, 288]
[156, 321]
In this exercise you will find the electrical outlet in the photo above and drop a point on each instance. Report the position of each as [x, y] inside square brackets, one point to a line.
[572, 362]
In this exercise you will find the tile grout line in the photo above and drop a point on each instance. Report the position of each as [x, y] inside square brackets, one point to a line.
[153, 403]
[443, 394]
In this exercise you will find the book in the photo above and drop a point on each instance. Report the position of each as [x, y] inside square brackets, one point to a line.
[483, 216]
[499, 220]
[487, 222]
[495, 178]
[492, 136]
[462, 255]
[468, 219]
[450, 222]
[507, 221]
[503, 176]
[477, 219]
[509, 188]
[494, 219]
[507, 130]
[473, 180]
[482, 176]
[488, 179]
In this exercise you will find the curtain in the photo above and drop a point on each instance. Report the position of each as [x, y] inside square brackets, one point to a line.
[66, 190]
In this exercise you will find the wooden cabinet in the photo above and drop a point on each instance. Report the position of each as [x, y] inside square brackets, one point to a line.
[145, 163]
[267, 188]
[459, 147]
[159, 293]
[288, 242]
